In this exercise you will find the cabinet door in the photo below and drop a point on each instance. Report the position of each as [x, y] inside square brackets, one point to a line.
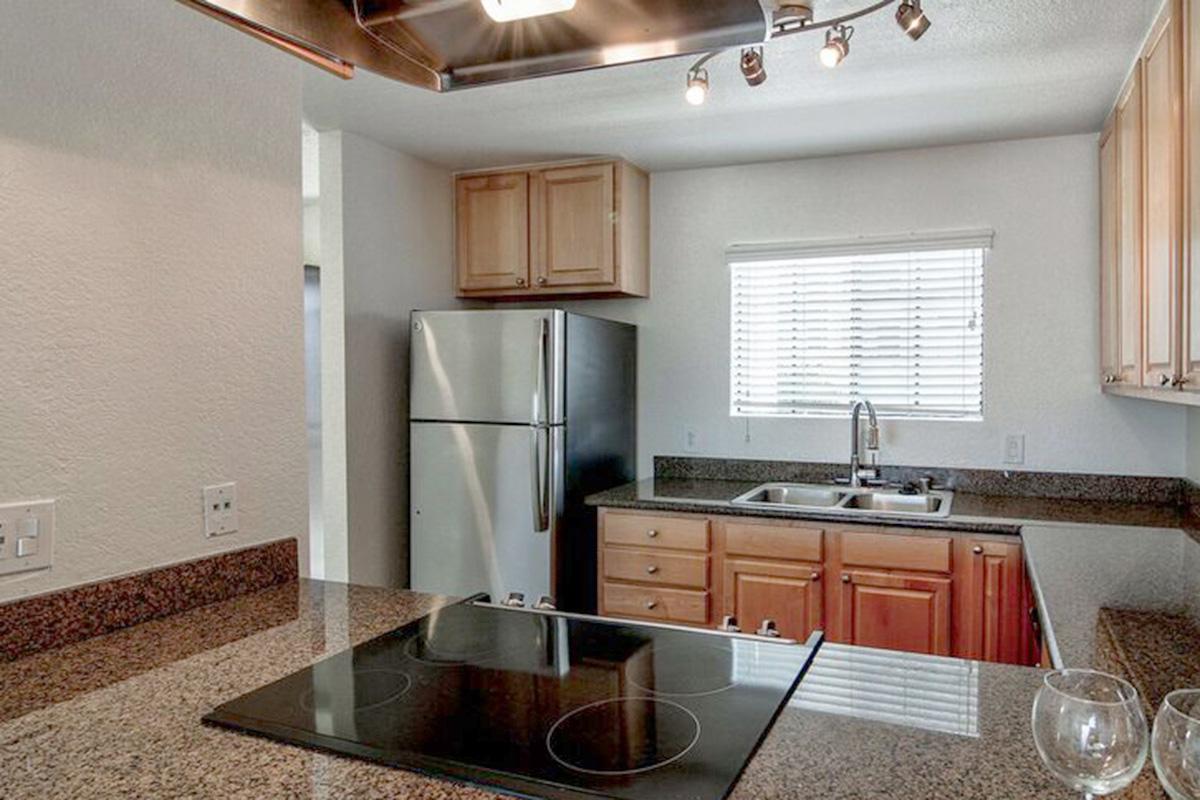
[788, 593]
[1190, 339]
[1110, 309]
[1163, 101]
[895, 611]
[991, 579]
[492, 231]
[573, 223]
[1130, 252]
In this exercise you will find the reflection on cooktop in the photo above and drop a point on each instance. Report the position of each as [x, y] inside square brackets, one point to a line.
[919, 691]
[547, 704]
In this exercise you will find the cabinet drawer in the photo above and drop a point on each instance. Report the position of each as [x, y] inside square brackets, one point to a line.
[656, 566]
[896, 551]
[651, 602]
[774, 541]
[643, 530]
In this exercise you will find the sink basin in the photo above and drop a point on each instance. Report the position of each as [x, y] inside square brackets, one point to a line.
[846, 499]
[795, 495]
[894, 501]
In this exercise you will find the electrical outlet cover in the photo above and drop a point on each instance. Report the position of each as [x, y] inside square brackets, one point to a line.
[1014, 448]
[26, 536]
[220, 509]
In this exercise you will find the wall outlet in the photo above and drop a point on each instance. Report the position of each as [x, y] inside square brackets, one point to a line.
[220, 509]
[26, 536]
[1014, 448]
[691, 440]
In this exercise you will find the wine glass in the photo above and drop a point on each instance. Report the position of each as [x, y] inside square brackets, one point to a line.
[1090, 730]
[1176, 744]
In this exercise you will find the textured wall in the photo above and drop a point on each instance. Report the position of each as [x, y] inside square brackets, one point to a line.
[150, 282]
[1041, 306]
[392, 246]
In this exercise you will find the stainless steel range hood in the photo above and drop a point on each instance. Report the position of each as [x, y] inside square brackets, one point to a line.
[451, 44]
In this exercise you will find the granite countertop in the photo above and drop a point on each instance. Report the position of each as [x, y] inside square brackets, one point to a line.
[119, 715]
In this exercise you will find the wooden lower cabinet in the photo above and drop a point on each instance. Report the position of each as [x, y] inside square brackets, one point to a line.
[920, 591]
[789, 594]
[895, 611]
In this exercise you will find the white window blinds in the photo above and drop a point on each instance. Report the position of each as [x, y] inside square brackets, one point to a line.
[898, 322]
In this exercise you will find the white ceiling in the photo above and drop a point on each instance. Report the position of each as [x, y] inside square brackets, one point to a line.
[986, 70]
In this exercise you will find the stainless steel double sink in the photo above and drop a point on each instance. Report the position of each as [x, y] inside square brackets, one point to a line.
[847, 499]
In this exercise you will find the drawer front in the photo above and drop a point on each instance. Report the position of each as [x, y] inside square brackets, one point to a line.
[652, 602]
[644, 530]
[896, 551]
[656, 566]
[774, 541]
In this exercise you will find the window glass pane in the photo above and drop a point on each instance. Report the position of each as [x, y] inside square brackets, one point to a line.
[811, 334]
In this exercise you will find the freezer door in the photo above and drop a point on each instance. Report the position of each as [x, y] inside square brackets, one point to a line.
[478, 492]
[487, 366]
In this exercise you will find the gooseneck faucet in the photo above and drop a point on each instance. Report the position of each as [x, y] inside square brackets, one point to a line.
[857, 471]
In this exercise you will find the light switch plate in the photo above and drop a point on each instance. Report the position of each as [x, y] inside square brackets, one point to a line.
[1014, 448]
[33, 522]
[220, 509]
[691, 440]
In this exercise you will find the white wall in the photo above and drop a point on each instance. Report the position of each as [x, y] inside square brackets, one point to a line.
[1040, 305]
[150, 282]
[390, 245]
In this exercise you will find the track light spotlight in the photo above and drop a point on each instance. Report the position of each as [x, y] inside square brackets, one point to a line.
[912, 19]
[837, 45]
[697, 87]
[752, 66]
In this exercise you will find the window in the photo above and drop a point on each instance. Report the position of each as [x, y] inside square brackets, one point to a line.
[898, 322]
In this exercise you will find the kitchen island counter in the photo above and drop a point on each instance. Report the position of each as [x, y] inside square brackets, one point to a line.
[119, 715]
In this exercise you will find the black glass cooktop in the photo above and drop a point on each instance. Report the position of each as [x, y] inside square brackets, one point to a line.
[540, 703]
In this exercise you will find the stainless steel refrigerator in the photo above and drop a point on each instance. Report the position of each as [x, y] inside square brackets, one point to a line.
[515, 417]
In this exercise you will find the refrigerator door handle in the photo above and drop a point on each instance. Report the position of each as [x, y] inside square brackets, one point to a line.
[541, 397]
[540, 477]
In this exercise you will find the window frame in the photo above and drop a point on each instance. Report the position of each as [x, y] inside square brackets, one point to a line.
[736, 254]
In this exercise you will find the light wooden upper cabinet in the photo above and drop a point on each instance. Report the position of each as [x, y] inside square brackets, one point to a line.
[1130, 240]
[1110, 285]
[1162, 97]
[584, 228]
[1190, 336]
[492, 232]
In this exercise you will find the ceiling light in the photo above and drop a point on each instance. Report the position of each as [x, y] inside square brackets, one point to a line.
[697, 87]
[837, 45]
[752, 66]
[912, 19]
[509, 10]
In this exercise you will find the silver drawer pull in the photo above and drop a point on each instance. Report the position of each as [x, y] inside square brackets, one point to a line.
[650, 570]
[651, 605]
[653, 534]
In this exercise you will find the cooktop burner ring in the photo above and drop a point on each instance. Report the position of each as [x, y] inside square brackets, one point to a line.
[688, 715]
[432, 658]
[306, 699]
[724, 683]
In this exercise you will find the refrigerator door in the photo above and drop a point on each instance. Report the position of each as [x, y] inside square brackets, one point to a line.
[488, 366]
[478, 492]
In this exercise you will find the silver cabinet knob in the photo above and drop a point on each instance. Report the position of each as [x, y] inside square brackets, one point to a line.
[816, 576]
[546, 603]
[845, 579]
[515, 600]
[520, 281]
[653, 534]
[650, 570]
[651, 605]
[729, 624]
[541, 281]
[977, 550]
[768, 629]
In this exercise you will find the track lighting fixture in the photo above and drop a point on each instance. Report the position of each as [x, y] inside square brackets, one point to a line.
[837, 46]
[697, 86]
[752, 66]
[792, 17]
[912, 19]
